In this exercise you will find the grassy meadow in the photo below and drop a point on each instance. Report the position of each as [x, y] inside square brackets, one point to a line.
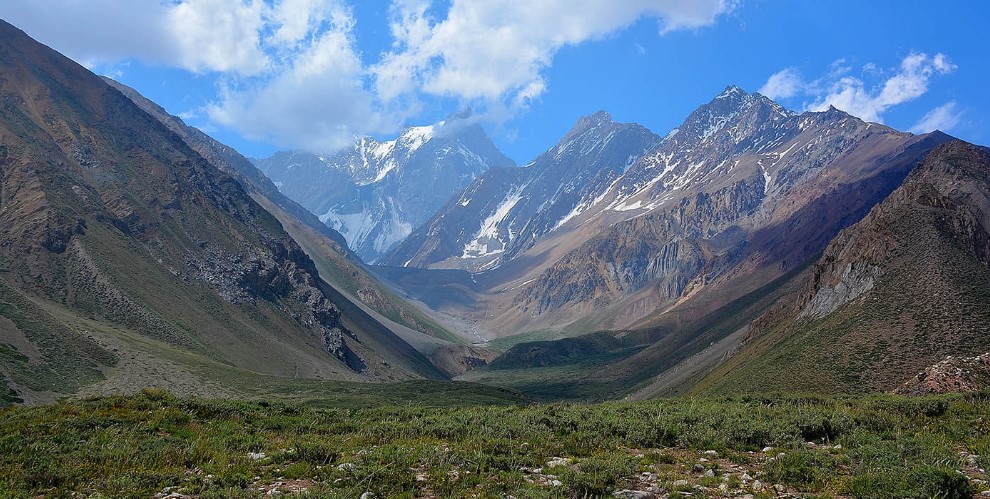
[153, 443]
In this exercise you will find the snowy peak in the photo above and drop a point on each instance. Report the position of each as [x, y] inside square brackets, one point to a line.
[414, 137]
[376, 192]
[732, 105]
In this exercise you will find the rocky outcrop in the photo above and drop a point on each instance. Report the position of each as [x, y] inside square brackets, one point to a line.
[856, 279]
[899, 292]
[952, 375]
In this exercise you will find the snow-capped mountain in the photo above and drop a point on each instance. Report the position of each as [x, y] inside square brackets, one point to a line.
[504, 211]
[376, 192]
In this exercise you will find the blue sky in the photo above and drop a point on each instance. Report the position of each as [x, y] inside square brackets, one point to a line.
[283, 74]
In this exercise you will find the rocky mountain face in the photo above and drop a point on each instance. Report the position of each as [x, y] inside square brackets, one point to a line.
[111, 216]
[376, 193]
[900, 291]
[742, 184]
[505, 211]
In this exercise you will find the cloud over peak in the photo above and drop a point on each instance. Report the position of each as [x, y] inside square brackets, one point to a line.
[854, 94]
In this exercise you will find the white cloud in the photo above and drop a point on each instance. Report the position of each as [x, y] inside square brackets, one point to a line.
[494, 53]
[852, 95]
[95, 31]
[317, 99]
[217, 35]
[943, 117]
[289, 72]
[198, 35]
[783, 84]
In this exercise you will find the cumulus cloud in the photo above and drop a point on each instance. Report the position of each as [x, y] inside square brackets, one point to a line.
[944, 117]
[318, 102]
[783, 84]
[867, 96]
[494, 53]
[852, 95]
[216, 35]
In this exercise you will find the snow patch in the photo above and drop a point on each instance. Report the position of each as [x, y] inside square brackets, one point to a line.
[487, 242]
[414, 137]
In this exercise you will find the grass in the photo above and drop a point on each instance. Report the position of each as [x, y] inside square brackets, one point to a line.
[152, 442]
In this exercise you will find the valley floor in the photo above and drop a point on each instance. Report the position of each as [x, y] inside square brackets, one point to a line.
[156, 445]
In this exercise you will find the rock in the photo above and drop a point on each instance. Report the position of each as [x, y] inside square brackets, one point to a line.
[758, 486]
[710, 453]
[710, 474]
[256, 455]
[745, 477]
[555, 483]
[779, 487]
[680, 483]
[559, 461]
[698, 468]
[345, 467]
[767, 449]
[369, 495]
[633, 494]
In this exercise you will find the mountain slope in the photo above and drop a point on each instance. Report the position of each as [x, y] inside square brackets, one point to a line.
[112, 221]
[899, 291]
[229, 161]
[376, 193]
[337, 264]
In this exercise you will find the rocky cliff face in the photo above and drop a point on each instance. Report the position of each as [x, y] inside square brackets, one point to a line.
[376, 193]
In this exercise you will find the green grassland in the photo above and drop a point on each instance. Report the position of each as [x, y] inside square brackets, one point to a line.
[769, 446]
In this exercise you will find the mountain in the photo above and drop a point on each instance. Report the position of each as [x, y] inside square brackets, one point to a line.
[739, 195]
[504, 211]
[902, 290]
[129, 259]
[375, 193]
[337, 264]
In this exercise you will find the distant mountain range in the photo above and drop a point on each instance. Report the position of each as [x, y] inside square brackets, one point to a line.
[616, 224]
[376, 192]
